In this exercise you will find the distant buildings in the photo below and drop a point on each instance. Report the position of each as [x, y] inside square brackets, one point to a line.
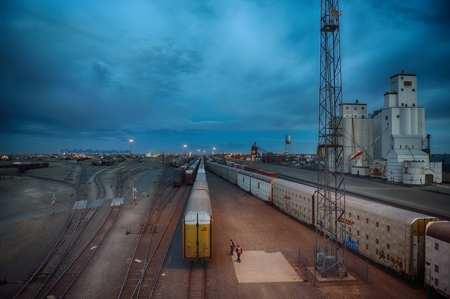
[392, 139]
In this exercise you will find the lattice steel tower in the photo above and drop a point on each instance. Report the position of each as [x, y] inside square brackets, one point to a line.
[330, 227]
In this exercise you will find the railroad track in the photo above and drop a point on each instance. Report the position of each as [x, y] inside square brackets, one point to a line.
[197, 281]
[51, 265]
[153, 242]
[68, 257]
[62, 282]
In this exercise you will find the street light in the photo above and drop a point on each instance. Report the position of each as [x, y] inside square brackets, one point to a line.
[213, 150]
[131, 146]
[185, 149]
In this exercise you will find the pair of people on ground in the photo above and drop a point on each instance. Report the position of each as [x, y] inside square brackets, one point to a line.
[238, 250]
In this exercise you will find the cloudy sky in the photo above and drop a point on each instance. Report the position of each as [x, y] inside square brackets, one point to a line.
[94, 74]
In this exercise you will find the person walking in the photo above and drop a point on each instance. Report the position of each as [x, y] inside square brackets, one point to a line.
[239, 252]
[231, 247]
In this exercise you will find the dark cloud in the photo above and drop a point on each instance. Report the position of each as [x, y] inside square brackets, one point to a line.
[175, 72]
[100, 72]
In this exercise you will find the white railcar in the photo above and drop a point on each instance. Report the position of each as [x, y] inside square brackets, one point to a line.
[295, 199]
[243, 180]
[261, 186]
[222, 171]
[437, 257]
[232, 175]
[389, 236]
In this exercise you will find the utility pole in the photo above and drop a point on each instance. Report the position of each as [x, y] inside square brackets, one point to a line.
[330, 226]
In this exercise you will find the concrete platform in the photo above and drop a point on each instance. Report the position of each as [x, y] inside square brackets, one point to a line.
[259, 266]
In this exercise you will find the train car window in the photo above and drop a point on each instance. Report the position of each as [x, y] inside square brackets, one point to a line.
[388, 228]
[436, 246]
[388, 246]
[436, 268]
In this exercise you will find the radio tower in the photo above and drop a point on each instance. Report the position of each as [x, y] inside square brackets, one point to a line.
[330, 227]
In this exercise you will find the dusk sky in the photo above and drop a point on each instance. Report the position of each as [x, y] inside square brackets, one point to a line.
[95, 74]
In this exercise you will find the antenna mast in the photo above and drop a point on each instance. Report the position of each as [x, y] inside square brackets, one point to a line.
[330, 227]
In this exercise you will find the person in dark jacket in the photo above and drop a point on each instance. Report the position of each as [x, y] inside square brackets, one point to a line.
[239, 252]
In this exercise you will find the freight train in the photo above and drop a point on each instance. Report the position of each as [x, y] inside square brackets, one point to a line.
[191, 172]
[179, 173]
[197, 221]
[24, 167]
[386, 235]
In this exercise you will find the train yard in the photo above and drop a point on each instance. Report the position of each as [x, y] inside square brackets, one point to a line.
[102, 243]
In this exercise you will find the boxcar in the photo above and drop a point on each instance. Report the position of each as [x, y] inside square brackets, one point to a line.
[389, 236]
[179, 175]
[243, 180]
[295, 199]
[192, 172]
[437, 257]
[261, 186]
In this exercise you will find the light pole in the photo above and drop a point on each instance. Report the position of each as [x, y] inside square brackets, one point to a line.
[213, 150]
[131, 146]
[185, 149]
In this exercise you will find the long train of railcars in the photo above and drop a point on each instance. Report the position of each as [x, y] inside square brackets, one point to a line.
[389, 236]
[25, 167]
[197, 224]
[179, 173]
[437, 257]
[191, 172]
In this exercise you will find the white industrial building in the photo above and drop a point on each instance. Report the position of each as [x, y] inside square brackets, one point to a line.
[392, 139]
[399, 134]
[356, 136]
[399, 117]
